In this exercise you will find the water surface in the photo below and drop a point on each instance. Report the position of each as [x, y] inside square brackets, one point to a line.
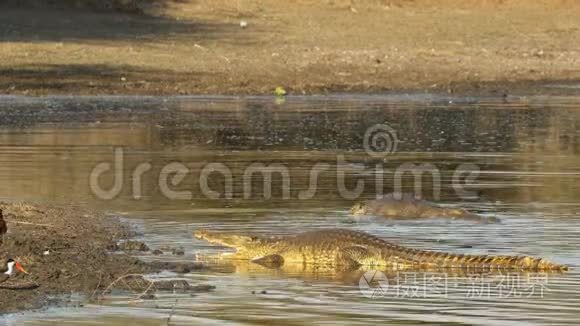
[526, 149]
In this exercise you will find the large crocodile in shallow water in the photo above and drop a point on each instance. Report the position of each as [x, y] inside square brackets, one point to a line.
[406, 206]
[341, 247]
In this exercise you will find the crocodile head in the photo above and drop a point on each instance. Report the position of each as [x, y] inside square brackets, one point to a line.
[236, 241]
[246, 246]
[359, 209]
[457, 212]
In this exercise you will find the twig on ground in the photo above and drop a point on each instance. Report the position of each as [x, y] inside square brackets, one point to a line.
[209, 50]
[30, 223]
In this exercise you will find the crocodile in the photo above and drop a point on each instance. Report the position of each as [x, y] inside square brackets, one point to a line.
[406, 206]
[349, 248]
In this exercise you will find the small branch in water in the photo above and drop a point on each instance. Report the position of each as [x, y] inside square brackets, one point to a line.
[151, 283]
[171, 313]
[123, 278]
[98, 285]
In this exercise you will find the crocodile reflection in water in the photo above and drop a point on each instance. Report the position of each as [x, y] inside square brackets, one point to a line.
[433, 277]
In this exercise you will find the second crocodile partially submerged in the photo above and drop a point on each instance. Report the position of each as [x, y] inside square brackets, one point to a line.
[406, 206]
[341, 247]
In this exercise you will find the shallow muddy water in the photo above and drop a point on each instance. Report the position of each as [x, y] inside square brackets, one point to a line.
[171, 165]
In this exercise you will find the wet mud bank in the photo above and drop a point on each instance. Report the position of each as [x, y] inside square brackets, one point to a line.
[69, 249]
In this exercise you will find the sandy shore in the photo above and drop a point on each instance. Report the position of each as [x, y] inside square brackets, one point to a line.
[252, 47]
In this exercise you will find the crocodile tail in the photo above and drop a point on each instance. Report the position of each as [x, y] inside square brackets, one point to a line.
[448, 260]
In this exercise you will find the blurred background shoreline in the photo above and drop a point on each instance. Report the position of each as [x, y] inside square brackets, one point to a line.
[161, 47]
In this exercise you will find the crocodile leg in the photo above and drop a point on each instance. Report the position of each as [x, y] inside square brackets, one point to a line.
[270, 261]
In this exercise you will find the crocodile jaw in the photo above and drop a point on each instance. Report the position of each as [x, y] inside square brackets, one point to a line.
[238, 242]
